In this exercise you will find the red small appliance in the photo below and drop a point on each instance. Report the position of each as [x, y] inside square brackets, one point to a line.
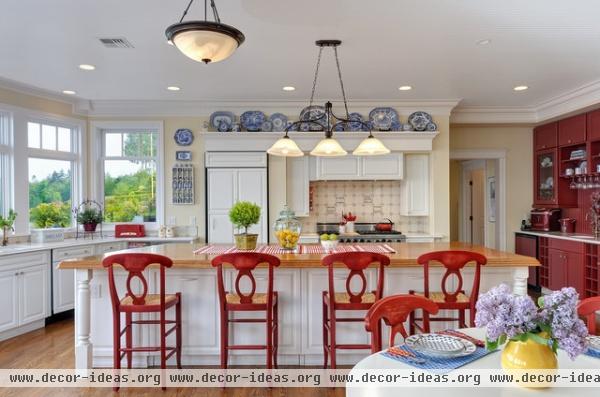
[567, 225]
[545, 219]
[130, 230]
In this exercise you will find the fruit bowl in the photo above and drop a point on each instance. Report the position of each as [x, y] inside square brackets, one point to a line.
[329, 242]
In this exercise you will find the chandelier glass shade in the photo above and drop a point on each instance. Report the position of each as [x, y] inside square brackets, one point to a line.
[285, 147]
[328, 147]
[370, 146]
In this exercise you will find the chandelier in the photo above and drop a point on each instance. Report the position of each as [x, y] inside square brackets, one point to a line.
[204, 41]
[328, 146]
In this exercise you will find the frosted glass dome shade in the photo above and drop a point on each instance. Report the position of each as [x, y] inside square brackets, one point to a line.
[370, 146]
[205, 41]
[328, 147]
[285, 147]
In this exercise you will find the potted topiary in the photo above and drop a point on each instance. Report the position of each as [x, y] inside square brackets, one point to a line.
[7, 225]
[90, 218]
[243, 215]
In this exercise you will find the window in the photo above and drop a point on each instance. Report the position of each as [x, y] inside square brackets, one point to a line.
[130, 164]
[5, 162]
[53, 165]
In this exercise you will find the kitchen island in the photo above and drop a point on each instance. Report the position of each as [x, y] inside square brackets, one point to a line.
[299, 281]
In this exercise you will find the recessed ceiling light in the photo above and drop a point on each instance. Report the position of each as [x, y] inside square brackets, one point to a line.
[173, 88]
[484, 42]
[289, 88]
[405, 88]
[85, 66]
[69, 92]
[520, 88]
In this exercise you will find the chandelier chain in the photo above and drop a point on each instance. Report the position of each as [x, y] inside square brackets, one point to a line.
[339, 70]
[212, 6]
[314, 86]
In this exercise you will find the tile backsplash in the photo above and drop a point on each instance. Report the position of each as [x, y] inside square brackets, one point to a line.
[370, 201]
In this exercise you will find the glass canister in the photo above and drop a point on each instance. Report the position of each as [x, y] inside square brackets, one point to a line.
[287, 229]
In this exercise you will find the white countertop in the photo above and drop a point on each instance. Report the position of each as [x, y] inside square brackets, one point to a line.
[579, 237]
[72, 242]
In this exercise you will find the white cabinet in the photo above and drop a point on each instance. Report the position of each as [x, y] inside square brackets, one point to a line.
[386, 167]
[9, 310]
[63, 280]
[33, 302]
[298, 185]
[225, 186]
[414, 189]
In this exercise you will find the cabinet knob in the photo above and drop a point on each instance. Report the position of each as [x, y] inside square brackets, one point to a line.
[568, 141]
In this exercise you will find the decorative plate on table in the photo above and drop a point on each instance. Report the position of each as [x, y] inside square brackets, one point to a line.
[431, 127]
[436, 345]
[594, 342]
[419, 120]
[184, 137]
[279, 121]
[383, 118]
[252, 119]
[266, 126]
[219, 116]
[312, 113]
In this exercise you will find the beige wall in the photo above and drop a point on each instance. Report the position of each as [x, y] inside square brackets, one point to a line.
[455, 184]
[518, 141]
[15, 98]
[440, 180]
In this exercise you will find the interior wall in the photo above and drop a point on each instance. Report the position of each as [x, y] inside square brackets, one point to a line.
[518, 143]
[455, 185]
[14, 98]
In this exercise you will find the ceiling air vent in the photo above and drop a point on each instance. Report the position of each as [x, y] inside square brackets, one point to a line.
[116, 42]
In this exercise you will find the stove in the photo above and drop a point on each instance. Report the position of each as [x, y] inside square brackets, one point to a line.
[365, 233]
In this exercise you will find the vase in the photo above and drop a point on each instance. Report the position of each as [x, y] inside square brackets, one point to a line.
[527, 356]
[246, 241]
[89, 227]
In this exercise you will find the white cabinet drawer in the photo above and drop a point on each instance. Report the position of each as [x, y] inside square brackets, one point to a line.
[109, 247]
[27, 259]
[72, 252]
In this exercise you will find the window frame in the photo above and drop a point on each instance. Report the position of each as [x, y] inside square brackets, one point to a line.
[6, 160]
[99, 128]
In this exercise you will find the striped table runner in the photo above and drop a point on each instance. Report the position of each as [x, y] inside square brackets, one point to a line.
[213, 249]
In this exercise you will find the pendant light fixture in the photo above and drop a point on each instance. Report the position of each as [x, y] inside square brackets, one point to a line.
[328, 146]
[205, 41]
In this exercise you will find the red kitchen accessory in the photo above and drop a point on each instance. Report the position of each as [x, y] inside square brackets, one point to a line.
[349, 217]
[567, 225]
[129, 230]
[384, 226]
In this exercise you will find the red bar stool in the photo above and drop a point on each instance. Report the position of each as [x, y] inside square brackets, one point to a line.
[135, 264]
[237, 301]
[394, 311]
[587, 308]
[333, 301]
[453, 262]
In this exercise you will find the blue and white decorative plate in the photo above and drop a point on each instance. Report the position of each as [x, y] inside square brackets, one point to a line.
[397, 126]
[184, 137]
[383, 118]
[431, 127]
[223, 125]
[279, 121]
[252, 120]
[217, 117]
[357, 124]
[406, 127]
[236, 127]
[266, 126]
[340, 127]
[305, 127]
[312, 113]
[419, 120]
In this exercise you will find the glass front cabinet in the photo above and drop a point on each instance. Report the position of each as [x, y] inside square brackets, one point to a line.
[546, 177]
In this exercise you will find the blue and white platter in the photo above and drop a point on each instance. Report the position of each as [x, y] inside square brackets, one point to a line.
[219, 117]
[252, 120]
[279, 121]
[184, 137]
[314, 112]
[356, 124]
[419, 120]
[383, 118]
[406, 127]
[397, 126]
[266, 126]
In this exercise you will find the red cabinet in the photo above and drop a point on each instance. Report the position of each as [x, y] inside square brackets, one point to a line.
[593, 125]
[526, 244]
[545, 136]
[566, 265]
[576, 272]
[572, 130]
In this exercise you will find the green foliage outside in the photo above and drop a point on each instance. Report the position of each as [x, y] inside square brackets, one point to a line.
[47, 215]
[50, 200]
[244, 214]
[130, 195]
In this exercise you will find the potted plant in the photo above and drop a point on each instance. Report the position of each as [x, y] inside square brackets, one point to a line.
[48, 219]
[90, 217]
[7, 225]
[243, 215]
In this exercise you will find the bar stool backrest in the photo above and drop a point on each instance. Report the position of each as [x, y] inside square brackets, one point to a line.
[587, 308]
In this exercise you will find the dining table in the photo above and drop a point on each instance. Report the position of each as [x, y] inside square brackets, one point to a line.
[378, 362]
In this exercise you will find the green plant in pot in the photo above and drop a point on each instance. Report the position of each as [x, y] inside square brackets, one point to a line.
[90, 218]
[243, 215]
[7, 225]
[49, 215]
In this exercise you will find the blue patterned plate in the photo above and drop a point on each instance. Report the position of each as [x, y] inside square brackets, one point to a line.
[279, 121]
[314, 112]
[266, 126]
[397, 126]
[419, 120]
[217, 117]
[223, 125]
[383, 118]
[406, 127]
[184, 137]
[252, 119]
[357, 124]
[431, 127]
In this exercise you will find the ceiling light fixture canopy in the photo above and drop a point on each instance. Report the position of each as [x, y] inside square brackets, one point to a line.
[205, 41]
[329, 146]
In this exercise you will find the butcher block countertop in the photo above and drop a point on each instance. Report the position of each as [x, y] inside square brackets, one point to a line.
[405, 256]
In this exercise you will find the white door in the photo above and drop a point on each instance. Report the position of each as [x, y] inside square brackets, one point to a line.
[478, 207]
[415, 186]
[252, 186]
[222, 189]
[9, 317]
[63, 289]
[387, 167]
[34, 291]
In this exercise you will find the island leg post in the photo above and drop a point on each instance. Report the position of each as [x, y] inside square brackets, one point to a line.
[83, 346]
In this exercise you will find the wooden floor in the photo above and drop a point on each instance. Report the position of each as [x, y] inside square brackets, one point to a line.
[52, 347]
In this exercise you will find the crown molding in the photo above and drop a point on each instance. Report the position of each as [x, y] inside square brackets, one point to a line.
[493, 115]
[578, 100]
[42, 93]
[136, 108]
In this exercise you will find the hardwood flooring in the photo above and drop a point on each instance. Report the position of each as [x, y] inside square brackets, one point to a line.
[52, 347]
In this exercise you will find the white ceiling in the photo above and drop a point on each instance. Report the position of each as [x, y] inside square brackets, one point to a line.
[553, 46]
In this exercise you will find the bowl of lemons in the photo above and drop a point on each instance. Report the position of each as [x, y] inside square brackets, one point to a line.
[329, 241]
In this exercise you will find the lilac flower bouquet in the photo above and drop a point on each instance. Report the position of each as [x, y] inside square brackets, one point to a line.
[554, 322]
